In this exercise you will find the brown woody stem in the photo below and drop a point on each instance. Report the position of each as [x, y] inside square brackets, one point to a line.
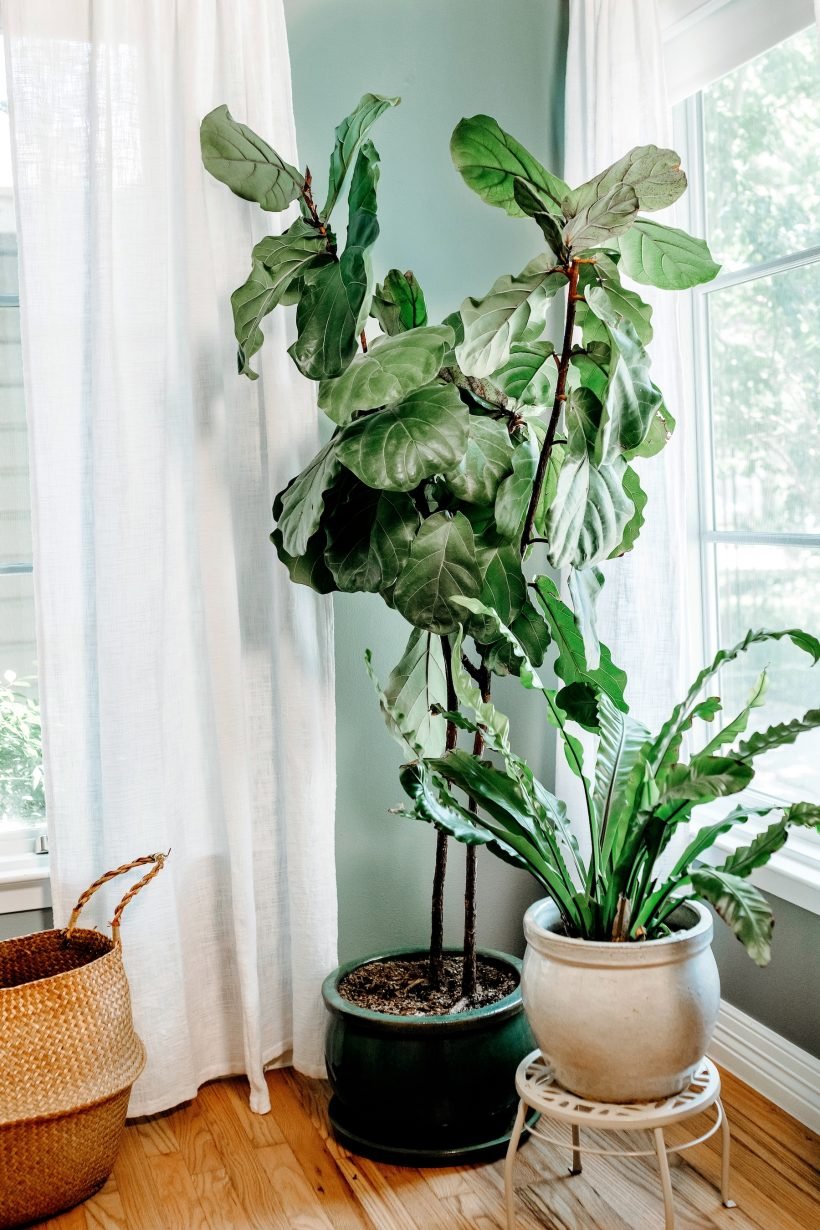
[560, 397]
[469, 969]
[436, 965]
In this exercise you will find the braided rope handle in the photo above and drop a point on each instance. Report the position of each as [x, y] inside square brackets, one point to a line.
[158, 861]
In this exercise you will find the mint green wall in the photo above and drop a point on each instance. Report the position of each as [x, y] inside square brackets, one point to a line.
[446, 58]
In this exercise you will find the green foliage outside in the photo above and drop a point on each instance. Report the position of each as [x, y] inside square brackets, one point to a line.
[21, 767]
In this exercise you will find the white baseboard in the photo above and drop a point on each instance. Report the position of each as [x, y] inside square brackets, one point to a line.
[769, 1063]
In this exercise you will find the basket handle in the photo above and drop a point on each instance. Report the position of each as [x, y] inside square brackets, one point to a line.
[158, 861]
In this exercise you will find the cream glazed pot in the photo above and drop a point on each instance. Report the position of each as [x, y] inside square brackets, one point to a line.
[621, 1022]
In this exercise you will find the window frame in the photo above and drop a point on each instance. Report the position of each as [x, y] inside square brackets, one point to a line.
[793, 873]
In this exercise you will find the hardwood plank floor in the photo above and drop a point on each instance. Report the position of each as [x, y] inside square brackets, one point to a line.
[213, 1165]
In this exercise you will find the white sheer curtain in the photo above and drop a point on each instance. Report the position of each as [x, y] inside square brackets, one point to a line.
[616, 99]
[187, 685]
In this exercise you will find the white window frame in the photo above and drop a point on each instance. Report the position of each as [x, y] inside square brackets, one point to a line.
[793, 873]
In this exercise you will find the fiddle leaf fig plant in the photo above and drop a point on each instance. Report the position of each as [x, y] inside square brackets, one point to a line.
[457, 450]
[642, 792]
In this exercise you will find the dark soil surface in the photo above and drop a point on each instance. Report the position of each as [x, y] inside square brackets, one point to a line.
[400, 986]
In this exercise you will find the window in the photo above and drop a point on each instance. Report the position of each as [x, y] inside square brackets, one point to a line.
[751, 141]
[21, 779]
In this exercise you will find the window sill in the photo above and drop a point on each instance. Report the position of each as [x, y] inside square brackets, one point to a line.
[24, 883]
[792, 874]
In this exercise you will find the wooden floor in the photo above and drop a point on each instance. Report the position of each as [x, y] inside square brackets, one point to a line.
[213, 1165]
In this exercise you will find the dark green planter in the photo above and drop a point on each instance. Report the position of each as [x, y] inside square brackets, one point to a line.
[424, 1090]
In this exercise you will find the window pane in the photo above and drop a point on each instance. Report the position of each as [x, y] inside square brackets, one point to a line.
[765, 373]
[761, 136]
[773, 587]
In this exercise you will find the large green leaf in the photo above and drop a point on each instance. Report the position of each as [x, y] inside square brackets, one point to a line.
[665, 256]
[395, 448]
[530, 374]
[434, 805]
[391, 368]
[349, 136]
[398, 304]
[532, 633]
[595, 215]
[493, 324]
[590, 512]
[236, 156]
[615, 302]
[705, 778]
[654, 174]
[777, 736]
[741, 906]
[571, 665]
[585, 585]
[631, 399]
[622, 749]
[634, 525]
[336, 298]
[486, 461]
[513, 495]
[503, 587]
[278, 261]
[418, 684]
[681, 717]
[309, 568]
[441, 567]
[542, 212]
[489, 160]
[757, 853]
[369, 538]
[727, 734]
[298, 509]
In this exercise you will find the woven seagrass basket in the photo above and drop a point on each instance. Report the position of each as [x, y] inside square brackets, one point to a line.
[68, 1058]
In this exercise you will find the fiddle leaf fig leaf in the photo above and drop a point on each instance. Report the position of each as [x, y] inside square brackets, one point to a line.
[614, 302]
[490, 160]
[349, 136]
[336, 298]
[398, 304]
[530, 374]
[595, 215]
[417, 686]
[658, 435]
[391, 368]
[370, 538]
[513, 495]
[503, 587]
[278, 260]
[654, 174]
[440, 568]
[327, 316]
[396, 447]
[487, 460]
[634, 525]
[493, 324]
[664, 256]
[585, 585]
[237, 157]
[571, 664]
[741, 906]
[590, 512]
[541, 211]
[631, 399]
[309, 568]
[298, 509]
[531, 632]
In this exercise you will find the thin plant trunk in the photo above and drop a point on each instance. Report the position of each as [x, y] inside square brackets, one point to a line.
[436, 964]
[469, 969]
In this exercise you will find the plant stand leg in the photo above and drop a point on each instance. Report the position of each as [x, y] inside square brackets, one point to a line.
[725, 1159]
[666, 1181]
[576, 1150]
[509, 1191]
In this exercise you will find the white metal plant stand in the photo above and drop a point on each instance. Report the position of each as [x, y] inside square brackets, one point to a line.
[538, 1090]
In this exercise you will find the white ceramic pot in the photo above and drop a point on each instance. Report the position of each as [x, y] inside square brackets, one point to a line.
[621, 1022]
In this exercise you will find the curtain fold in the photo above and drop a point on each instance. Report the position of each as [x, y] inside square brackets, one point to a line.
[616, 99]
[187, 685]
